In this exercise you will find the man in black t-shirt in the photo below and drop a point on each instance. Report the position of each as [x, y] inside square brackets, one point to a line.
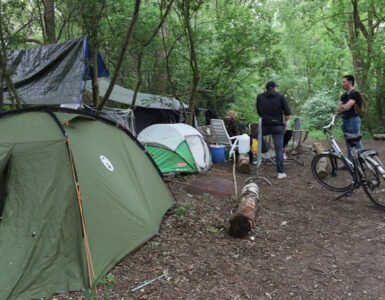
[272, 107]
[351, 119]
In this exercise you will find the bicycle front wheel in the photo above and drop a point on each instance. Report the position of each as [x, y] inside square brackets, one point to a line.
[373, 184]
[331, 172]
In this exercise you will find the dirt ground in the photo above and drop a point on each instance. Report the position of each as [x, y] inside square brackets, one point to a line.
[304, 245]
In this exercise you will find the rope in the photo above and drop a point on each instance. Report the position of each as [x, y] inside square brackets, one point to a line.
[90, 265]
[235, 177]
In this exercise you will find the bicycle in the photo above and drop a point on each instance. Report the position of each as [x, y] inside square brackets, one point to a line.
[337, 173]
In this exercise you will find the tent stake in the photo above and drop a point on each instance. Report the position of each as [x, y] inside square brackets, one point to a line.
[148, 282]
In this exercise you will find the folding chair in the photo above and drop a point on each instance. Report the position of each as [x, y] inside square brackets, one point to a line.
[294, 149]
[222, 137]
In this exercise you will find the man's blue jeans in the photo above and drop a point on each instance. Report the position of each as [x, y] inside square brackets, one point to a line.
[277, 133]
[352, 125]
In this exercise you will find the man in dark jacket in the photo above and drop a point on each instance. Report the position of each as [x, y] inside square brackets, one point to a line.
[272, 107]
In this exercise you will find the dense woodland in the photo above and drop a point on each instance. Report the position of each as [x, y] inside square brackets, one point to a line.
[219, 53]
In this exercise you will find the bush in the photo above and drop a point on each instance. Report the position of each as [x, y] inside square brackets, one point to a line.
[317, 110]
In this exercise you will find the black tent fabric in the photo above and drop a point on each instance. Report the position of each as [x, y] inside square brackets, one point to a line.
[145, 117]
[51, 74]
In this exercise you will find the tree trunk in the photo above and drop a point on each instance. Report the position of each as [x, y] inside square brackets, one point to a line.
[5, 74]
[49, 20]
[121, 56]
[244, 217]
[193, 60]
[95, 82]
[141, 52]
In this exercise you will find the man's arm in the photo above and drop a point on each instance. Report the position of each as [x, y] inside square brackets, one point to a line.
[286, 111]
[346, 106]
[257, 106]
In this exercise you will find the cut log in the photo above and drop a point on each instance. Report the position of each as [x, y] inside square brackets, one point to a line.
[317, 148]
[244, 163]
[322, 166]
[379, 137]
[242, 221]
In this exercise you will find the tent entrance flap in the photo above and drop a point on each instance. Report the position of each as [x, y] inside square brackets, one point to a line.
[5, 153]
[40, 233]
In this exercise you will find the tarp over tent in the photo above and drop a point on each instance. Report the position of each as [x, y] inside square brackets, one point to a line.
[123, 95]
[176, 148]
[149, 109]
[46, 221]
[51, 74]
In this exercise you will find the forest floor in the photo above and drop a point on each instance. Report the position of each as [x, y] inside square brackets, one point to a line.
[304, 245]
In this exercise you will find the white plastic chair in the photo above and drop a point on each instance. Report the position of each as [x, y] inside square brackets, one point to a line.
[222, 137]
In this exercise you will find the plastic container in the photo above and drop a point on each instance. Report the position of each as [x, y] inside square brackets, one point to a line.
[217, 153]
[244, 144]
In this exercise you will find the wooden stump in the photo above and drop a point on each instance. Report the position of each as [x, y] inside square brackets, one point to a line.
[322, 166]
[243, 218]
[244, 163]
[379, 137]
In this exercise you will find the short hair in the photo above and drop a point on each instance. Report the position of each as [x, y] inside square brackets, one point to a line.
[231, 114]
[349, 78]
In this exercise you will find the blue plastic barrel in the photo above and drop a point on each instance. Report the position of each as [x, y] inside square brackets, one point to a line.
[217, 153]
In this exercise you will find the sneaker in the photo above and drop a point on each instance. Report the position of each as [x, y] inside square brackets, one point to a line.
[281, 176]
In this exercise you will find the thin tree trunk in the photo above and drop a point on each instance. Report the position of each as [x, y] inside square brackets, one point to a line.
[121, 56]
[95, 82]
[141, 52]
[11, 88]
[193, 61]
[49, 20]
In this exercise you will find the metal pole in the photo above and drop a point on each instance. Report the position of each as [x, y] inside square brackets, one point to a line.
[259, 157]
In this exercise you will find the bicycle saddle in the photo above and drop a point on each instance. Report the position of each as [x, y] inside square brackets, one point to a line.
[352, 137]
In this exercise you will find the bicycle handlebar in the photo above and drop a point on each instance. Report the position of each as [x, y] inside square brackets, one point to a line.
[330, 126]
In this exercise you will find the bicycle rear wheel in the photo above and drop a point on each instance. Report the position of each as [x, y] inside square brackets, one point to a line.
[373, 184]
[331, 172]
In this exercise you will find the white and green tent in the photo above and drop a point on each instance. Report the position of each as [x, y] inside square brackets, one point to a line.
[176, 148]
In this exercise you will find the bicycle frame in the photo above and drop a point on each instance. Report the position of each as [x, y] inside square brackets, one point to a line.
[353, 167]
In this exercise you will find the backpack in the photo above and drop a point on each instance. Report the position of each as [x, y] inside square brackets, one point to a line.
[363, 111]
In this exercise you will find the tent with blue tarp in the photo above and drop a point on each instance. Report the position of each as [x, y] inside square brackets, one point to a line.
[51, 74]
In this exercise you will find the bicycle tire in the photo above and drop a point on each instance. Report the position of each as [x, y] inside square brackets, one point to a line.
[373, 185]
[331, 172]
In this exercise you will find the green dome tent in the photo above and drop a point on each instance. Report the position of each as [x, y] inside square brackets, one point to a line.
[74, 200]
[177, 148]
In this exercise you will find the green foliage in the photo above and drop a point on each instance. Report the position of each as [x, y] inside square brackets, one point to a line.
[318, 109]
[106, 283]
[183, 210]
[306, 46]
[216, 229]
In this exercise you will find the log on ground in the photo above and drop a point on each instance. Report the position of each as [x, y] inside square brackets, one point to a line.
[322, 166]
[244, 217]
[244, 163]
[379, 137]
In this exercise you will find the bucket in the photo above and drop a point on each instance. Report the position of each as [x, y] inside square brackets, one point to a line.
[217, 153]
